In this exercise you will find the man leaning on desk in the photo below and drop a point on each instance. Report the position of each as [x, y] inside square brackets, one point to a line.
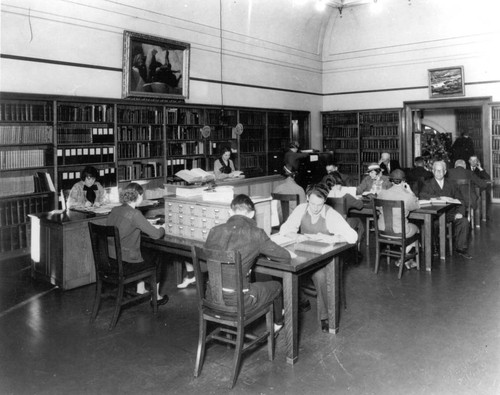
[439, 186]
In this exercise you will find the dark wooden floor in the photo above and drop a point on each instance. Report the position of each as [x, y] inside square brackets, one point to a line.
[428, 333]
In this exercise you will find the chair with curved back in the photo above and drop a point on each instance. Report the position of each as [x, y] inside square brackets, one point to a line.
[389, 238]
[225, 274]
[115, 272]
[284, 200]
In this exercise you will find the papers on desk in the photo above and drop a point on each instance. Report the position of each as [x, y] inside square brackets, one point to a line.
[104, 209]
[281, 240]
[318, 247]
[438, 201]
[147, 202]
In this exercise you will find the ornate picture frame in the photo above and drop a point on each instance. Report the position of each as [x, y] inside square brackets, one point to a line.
[155, 67]
[446, 82]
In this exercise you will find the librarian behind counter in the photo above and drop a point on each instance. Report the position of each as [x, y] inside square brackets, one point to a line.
[224, 166]
[87, 192]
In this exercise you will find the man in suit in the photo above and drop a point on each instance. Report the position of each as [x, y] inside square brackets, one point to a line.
[418, 175]
[477, 169]
[333, 168]
[442, 187]
[387, 164]
[461, 173]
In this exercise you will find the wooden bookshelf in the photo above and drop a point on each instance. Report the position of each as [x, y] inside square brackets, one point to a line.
[495, 151]
[124, 140]
[470, 120]
[85, 137]
[358, 138]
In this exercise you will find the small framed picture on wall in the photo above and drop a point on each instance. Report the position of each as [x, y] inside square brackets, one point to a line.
[446, 82]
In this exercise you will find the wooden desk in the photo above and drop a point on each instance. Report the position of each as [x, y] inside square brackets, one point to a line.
[427, 214]
[61, 251]
[304, 263]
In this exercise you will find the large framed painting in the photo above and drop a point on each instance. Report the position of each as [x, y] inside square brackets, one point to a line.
[155, 67]
[446, 82]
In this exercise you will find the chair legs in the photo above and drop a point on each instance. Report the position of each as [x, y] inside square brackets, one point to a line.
[97, 300]
[240, 337]
[200, 355]
[270, 329]
[118, 306]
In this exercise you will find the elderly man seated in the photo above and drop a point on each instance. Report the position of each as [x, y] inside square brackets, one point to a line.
[439, 186]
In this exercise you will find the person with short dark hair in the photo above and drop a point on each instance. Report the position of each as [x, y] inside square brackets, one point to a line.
[475, 166]
[374, 182]
[87, 192]
[319, 221]
[130, 223]
[418, 175]
[293, 156]
[241, 233]
[224, 166]
[462, 148]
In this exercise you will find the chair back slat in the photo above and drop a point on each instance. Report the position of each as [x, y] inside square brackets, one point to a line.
[224, 270]
[285, 200]
[338, 204]
[106, 248]
[385, 209]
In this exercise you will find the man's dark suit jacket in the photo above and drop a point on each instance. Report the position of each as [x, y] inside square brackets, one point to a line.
[431, 189]
[416, 178]
[393, 164]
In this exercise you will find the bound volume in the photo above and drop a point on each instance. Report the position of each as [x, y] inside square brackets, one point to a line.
[318, 247]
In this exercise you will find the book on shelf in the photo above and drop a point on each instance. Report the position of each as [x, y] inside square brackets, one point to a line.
[195, 175]
[43, 182]
[318, 247]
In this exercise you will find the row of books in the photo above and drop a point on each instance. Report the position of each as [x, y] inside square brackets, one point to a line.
[15, 238]
[252, 146]
[252, 118]
[131, 133]
[340, 119]
[380, 144]
[85, 134]
[184, 133]
[85, 113]
[25, 112]
[279, 132]
[22, 158]
[139, 150]
[251, 161]
[191, 148]
[344, 144]
[26, 134]
[331, 132]
[344, 157]
[380, 131]
[19, 185]
[107, 178]
[139, 170]
[278, 118]
[495, 112]
[14, 212]
[140, 115]
[378, 117]
[71, 156]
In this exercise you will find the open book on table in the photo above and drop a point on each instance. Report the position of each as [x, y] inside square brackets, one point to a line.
[194, 175]
[439, 200]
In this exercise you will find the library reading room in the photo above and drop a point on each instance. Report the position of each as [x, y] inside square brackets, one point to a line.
[250, 197]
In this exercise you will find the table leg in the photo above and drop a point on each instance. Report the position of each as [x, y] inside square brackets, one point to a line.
[332, 284]
[290, 329]
[442, 236]
[428, 242]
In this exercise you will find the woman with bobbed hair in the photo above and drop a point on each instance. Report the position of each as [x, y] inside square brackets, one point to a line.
[130, 223]
[224, 166]
[317, 221]
[87, 192]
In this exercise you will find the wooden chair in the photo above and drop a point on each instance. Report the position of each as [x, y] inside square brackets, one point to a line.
[465, 186]
[389, 238]
[284, 200]
[117, 273]
[214, 309]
